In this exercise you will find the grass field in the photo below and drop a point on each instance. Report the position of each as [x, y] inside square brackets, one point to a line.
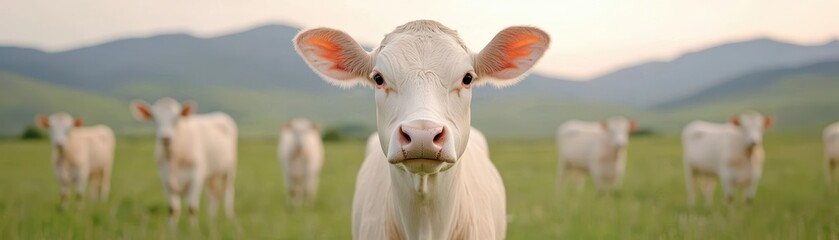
[793, 201]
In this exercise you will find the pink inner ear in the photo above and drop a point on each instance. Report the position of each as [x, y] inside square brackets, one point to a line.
[516, 49]
[44, 122]
[329, 50]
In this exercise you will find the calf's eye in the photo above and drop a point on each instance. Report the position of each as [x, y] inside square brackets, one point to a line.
[379, 79]
[467, 79]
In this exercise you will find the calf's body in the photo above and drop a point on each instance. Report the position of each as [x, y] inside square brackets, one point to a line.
[731, 152]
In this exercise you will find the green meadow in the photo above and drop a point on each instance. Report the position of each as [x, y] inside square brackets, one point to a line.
[793, 202]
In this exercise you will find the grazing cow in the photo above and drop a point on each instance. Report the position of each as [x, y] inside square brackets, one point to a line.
[301, 155]
[192, 151]
[81, 155]
[596, 148]
[831, 150]
[429, 178]
[731, 152]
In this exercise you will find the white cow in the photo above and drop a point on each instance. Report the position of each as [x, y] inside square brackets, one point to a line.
[596, 148]
[831, 150]
[192, 151]
[731, 152]
[81, 155]
[429, 178]
[301, 156]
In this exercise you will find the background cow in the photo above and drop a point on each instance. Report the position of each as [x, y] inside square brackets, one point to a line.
[192, 151]
[831, 150]
[81, 155]
[731, 152]
[301, 155]
[429, 178]
[596, 148]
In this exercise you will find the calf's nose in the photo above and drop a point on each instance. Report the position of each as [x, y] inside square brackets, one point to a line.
[422, 139]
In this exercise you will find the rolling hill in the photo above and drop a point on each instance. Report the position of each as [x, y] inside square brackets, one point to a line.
[653, 83]
[257, 77]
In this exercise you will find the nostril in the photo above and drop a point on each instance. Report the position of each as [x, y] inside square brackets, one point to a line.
[439, 139]
[404, 137]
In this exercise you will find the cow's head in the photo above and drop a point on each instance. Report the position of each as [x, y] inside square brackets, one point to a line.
[423, 75]
[300, 129]
[166, 112]
[59, 125]
[618, 129]
[752, 124]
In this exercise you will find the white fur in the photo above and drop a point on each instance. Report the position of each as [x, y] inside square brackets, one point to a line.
[722, 150]
[81, 156]
[831, 150]
[301, 155]
[596, 148]
[465, 202]
[201, 152]
[458, 194]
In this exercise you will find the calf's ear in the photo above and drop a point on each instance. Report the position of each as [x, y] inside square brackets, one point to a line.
[735, 120]
[42, 122]
[510, 54]
[633, 125]
[187, 108]
[335, 56]
[141, 111]
[604, 125]
[78, 121]
[767, 122]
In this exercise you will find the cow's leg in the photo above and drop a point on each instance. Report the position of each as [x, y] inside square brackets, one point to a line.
[751, 191]
[831, 167]
[296, 192]
[95, 185]
[727, 187]
[193, 198]
[174, 208]
[708, 185]
[105, 190]
[597, 177]
[690, 184]
[82, 176]
[561, 175]
[214, 191]
[579, 178]
[229, 183]
[65, 183]
[311, 188]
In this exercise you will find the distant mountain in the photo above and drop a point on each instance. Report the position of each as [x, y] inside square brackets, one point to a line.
[256, 59]
[263, 58]
[753, 82]
[654, 83]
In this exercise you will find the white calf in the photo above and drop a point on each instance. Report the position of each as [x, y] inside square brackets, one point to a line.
[301, 154]
[192, 151]
[429, 178]
[732, 152]
[596, 148]
[831, 150]
[81, 155]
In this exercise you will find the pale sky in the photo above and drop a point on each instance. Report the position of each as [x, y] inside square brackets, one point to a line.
[590, 37]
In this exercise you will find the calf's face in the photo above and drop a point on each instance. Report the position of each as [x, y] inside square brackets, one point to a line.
[300, 128]
[618, 129]
[422, 75]
[59, 125]
[165, 112]
[752, 124]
